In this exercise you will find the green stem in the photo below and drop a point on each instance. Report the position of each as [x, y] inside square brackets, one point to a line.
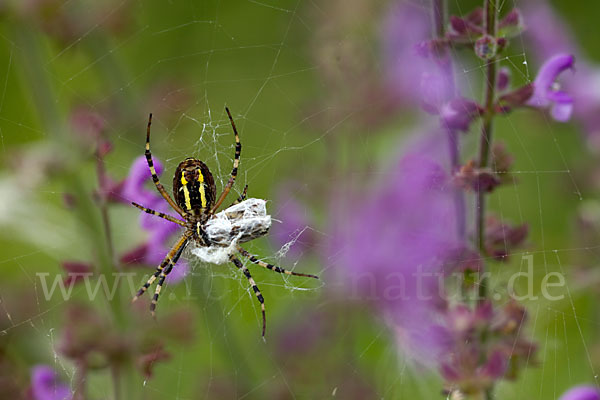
[103, 205]
[491, 16]
[439, 18]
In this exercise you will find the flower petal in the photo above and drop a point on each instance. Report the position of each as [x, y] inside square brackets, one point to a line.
[546, 78]
[458, 114]
[582, 393]
[139, 173]
[552, 68]
[544, 94]
[562, 112]
[503, 79]
[563, 105]
[495, 366]
[45, 386]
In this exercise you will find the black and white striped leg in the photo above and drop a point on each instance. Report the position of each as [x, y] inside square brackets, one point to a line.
[259, 296]
[168, 262]
[159, 186]
[236, 163]
[241, 198]
[161, 281]
[272, 267]
[159, 214]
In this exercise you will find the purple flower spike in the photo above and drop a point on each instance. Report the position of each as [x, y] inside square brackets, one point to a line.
[582, 393]
[160, 231]
[407, 221]
[404, 27]
[545, 93]
[415, 69]
[45, 386]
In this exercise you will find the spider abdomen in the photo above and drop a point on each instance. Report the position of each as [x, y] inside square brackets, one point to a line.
[194, 186]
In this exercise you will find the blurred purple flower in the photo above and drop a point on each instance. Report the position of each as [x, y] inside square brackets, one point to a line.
[45, 385]
[67, 22]
[153, 251]
[139, 173]
[582, 393]
[88, 129]
[458, 114]
[391, 246]
[295, 222]
[546, 94]
[474, 364]
[436, 82]
[305, 335]
[419, 70]
[76, 271]
[87, 122]
[411, 73]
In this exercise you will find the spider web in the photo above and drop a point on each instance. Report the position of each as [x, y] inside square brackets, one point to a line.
[224, 71]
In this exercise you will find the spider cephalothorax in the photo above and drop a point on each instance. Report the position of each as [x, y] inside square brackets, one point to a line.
[196, 202]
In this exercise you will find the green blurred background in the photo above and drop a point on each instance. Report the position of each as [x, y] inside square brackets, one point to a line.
[282, 67]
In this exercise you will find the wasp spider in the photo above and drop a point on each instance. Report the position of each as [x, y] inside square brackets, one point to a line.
[196, 202]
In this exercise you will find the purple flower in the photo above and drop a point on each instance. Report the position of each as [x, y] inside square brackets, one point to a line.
[503, 79]
[45, 385]
[437, 86]
[546, 94]
[390, 246]
[419, 70]
[582, 393]
[495, 367]
[153, 251]
[584, 85]
[458, 114]
[135, 190]
[404, 27]
[295, 222]
[413, 71]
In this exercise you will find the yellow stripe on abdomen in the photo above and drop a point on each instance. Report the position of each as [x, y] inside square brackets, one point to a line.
[186, 192]
[202, 191]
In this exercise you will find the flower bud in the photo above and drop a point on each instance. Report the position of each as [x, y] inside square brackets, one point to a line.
[503, 79]
[486, 47]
